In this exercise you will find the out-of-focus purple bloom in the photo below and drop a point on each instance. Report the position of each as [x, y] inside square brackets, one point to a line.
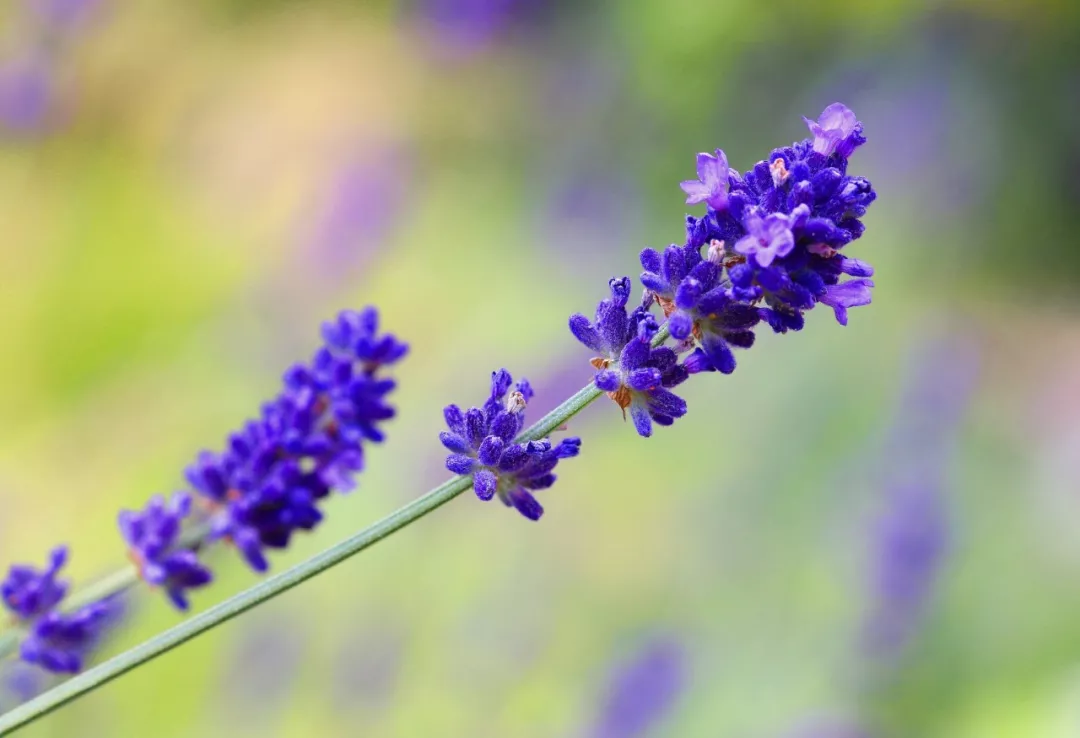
[711, 186]
[26, 94]
[836, 130]
[263, 665]
[29, 592]
[481, 442]
[471, 24]
[364, 201]
[366, 667]
[153, 542]
[910, 537]
[56, 641]
[59, 642]
[65, 15]
[307, 442]
[643, 691]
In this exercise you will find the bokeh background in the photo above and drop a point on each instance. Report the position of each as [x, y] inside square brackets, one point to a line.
[866, 531]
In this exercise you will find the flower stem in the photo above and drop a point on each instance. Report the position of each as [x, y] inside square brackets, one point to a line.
[264, 590]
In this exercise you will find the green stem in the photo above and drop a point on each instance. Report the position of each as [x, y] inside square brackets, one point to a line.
[266, 589]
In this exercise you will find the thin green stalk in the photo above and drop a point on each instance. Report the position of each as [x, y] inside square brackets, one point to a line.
[269, 587]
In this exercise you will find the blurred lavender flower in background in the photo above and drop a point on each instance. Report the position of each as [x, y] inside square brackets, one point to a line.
[358, 211]
[26, 94]
[262, 668]
[470, 25]
[910, 537]
[365, 668]
[642, 690]
[64, 15]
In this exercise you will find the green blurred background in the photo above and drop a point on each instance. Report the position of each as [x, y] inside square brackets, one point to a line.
[187, 189]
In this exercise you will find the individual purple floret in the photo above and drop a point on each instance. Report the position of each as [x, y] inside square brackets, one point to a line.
[633, 373]
[59, 642]
[482, 444]
[836, 130]
[29, 593]
[642, 691]
[307, 442]
[153, 542]
[711, 186]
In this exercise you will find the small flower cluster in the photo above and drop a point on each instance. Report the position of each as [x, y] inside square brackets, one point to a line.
[266, 485]
[772, 239]
[481, 441]
[55, 640]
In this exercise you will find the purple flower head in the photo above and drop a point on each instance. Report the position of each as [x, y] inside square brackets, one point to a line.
[481, 441]
[629, 369]
[307, 442]
[59, 642]
[770, 237]
[852, 293]
[711, 186]
[836, 131]
[29, 592]
[642, 691]
[153, 542]
[777, 247]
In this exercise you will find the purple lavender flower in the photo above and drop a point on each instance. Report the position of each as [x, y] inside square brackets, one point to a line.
[642, 692]
[792, 215]
[910, 537]
[470, 24]
[26, 94]
[307, 442]
[152, 536]
[836, 130]
[482, 444]
[56, 641]
[633, 373]
[59, 642]
[29, 592]
[711, 186]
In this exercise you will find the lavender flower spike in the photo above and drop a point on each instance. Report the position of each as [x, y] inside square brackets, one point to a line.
[642, 692]
[153, 539]
[482, 444]
[711, 186]
[836, 130]
[308, 441]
